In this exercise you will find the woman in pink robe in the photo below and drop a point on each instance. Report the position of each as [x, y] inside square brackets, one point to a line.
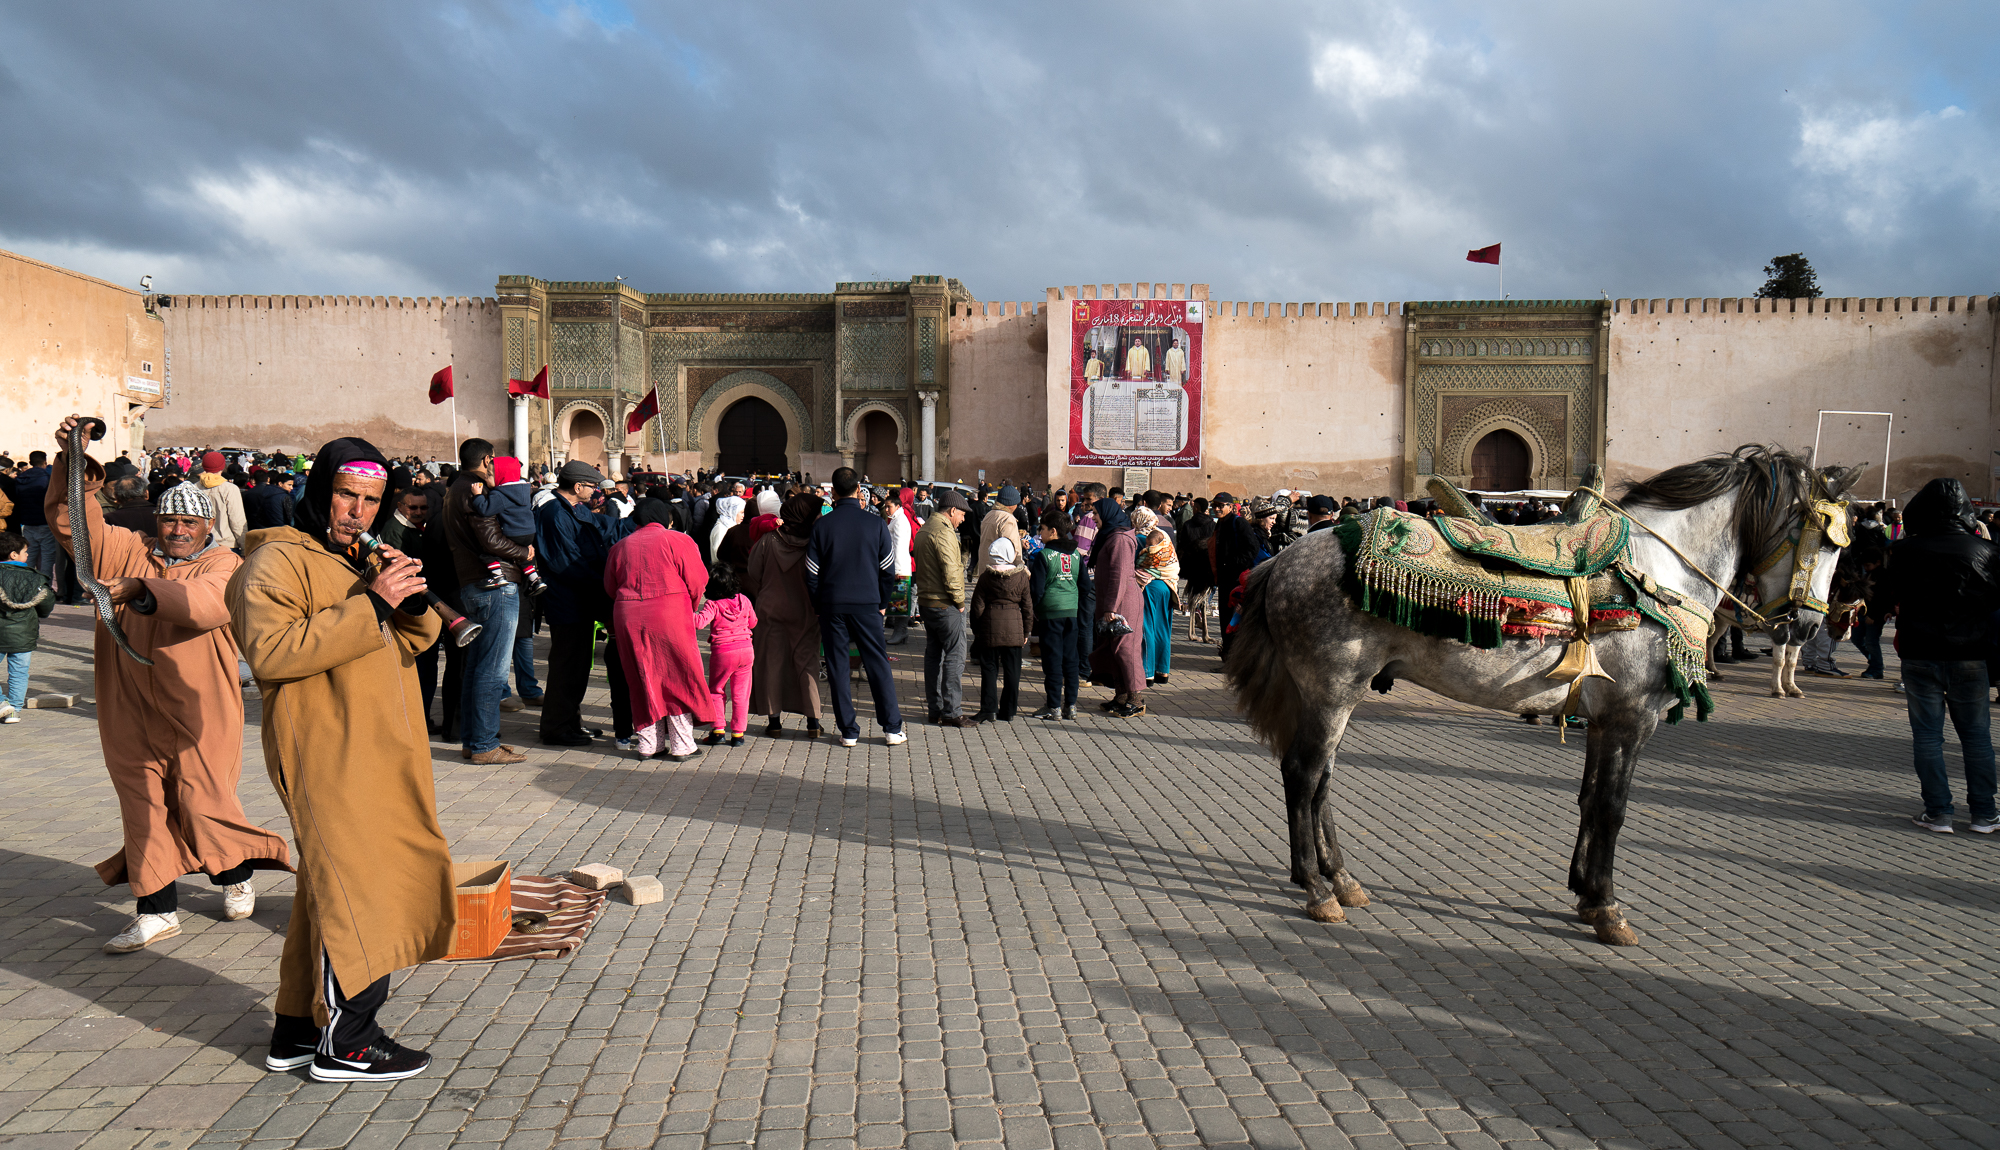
[1115, 659]
[655, 578]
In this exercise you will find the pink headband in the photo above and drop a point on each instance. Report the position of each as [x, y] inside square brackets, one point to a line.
[364, 469]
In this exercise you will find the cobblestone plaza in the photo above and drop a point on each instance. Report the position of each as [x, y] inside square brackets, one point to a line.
[1076, 935]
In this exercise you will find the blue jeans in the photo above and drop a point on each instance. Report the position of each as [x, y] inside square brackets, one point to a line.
[497, 610]
[524, 669]
[1867, 639]
[42, 550]
[1934, 689]
[17, 678]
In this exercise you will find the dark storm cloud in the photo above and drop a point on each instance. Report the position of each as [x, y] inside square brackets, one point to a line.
[1298, 152]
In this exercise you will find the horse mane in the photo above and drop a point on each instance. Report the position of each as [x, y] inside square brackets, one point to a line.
[1770, 483]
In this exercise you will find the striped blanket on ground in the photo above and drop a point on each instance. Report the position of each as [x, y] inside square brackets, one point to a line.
[572, 910]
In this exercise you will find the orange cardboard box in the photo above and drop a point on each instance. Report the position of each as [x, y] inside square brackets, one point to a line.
[485, 907]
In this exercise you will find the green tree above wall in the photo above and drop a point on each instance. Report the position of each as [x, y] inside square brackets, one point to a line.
[1790, 277]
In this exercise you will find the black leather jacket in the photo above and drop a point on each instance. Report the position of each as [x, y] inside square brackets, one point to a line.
[1943, 579]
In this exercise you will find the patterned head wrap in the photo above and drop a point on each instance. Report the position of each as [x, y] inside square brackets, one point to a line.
[364, 468]
[184, 499]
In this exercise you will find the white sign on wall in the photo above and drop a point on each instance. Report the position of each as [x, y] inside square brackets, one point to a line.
[140, 385]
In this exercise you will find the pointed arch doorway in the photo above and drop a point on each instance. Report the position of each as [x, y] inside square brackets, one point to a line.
[751, 439]
[1500, 462]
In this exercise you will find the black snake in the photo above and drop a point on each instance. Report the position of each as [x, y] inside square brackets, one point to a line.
[79, 535]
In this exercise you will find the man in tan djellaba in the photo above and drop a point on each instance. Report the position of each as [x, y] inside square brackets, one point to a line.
[332, 630]
[172, 732]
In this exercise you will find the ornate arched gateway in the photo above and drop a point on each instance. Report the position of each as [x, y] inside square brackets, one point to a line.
[1490, 381]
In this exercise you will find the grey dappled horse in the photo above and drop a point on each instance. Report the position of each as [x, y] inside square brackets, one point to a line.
[1304, 655]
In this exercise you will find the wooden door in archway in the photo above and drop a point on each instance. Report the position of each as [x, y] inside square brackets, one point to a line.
[751, 439]
[875, 454]
[586, 438]
[1500, 462]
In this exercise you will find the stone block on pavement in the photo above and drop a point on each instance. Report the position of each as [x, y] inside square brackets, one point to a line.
[642, 891]
[596, 876]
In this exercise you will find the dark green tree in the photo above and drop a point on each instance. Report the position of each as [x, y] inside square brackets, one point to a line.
[1790, 277]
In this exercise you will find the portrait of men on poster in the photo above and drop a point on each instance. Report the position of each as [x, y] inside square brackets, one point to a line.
[1135, 383]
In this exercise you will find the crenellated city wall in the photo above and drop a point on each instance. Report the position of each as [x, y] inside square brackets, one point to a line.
[296, 371]
[998, 423]
[1690, 376]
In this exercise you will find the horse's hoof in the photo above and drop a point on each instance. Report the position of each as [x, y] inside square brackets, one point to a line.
[1328, 911]
[1618, 933]
[1795, 693]
[1352, 895]
[1776, 693]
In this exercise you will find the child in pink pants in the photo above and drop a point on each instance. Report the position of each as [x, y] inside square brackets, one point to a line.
[729, 617]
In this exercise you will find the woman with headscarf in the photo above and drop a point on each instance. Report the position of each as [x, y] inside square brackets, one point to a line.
[785, 644]
[1002, 619]
[1115, 659]
[738, 540]
[332, 632]
[655, 578]
[1158, 570]
[728, 513]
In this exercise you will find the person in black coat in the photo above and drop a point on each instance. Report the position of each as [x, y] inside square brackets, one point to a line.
[1943, 583]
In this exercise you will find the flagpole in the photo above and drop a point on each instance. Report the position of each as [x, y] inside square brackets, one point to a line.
[454, 421]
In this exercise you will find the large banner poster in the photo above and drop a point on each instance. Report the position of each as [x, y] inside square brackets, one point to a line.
[1135, 383]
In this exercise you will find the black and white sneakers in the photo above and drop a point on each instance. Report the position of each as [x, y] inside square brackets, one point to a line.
[289, 1055]
[381, 1061]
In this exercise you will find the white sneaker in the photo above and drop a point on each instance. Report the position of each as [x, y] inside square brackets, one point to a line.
[510, 704]
[897, 739]
[6, 710]
[145, 930]
[625, 744]
[845, 742]
[238, 900]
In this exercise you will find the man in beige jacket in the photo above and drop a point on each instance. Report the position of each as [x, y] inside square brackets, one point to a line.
[940, 579]
[227, 499]
[998, 524]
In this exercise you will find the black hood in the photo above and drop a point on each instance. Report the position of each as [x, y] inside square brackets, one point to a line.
[1941, 508]
[316, 508]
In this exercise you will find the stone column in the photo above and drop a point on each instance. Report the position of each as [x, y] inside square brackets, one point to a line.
[928, 435]
[521, 428]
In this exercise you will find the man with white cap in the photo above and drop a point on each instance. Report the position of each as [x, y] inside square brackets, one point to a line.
[172, 732]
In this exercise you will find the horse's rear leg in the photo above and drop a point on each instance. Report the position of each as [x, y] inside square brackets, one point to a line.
[1613, 750]
[1317, 864]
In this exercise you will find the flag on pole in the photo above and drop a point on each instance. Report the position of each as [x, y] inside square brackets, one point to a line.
[441, 385]
[537, 387]
[1488, 255]
[647, 409]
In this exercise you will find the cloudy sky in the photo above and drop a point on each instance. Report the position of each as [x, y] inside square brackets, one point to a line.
[1276, 151]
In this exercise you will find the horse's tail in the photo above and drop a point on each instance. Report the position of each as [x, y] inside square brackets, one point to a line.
[1258, 672]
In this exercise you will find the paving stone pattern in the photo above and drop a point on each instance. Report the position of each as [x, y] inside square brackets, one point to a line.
[1075, 935]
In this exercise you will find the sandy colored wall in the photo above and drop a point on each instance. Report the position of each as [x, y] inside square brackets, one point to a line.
[70, 343]
[297, 371]
[1691, 376]
[1296, 395]
[997, 418]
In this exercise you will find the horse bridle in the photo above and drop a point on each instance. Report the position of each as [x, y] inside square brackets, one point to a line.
[1818, 519]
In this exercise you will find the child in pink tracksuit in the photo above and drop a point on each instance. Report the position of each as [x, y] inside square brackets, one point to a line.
[729, 617]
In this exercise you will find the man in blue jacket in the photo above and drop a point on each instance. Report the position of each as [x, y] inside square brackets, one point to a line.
[571, 544]
[850, 572]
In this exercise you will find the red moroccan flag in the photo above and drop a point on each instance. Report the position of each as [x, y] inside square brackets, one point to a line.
[647, 409]
[537, 387]
[1484, 255]
[441, 385]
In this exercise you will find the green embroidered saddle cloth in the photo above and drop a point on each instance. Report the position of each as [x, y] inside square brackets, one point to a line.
[1483, 584]
[1560, 549]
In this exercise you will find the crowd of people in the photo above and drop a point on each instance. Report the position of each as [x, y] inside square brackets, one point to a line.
[377, 606]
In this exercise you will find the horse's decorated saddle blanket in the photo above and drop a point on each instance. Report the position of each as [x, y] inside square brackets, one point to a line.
[1560, 549]
[1483, 584]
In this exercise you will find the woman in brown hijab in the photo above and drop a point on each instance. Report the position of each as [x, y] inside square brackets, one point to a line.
[786, 642]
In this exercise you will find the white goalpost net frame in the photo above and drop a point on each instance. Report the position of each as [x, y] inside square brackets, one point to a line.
[1888, 440]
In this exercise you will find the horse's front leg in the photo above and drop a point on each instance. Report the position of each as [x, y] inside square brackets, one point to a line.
[1613, 747]
[1791, 672]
